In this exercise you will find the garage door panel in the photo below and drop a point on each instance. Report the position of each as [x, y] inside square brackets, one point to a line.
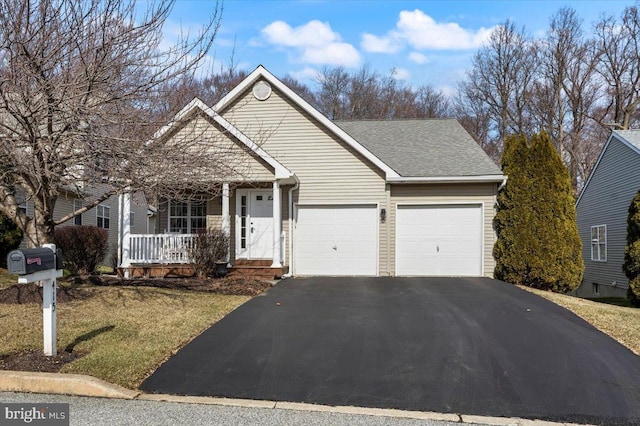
[336, 240]
[439, 240]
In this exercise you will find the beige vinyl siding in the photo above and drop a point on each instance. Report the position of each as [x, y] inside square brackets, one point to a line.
[481, 193]
[605, 201]
[233, 155]
[330, 171]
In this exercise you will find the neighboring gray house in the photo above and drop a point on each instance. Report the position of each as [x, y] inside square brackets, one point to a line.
[602, 210]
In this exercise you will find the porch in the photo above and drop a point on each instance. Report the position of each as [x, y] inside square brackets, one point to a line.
[251, 215]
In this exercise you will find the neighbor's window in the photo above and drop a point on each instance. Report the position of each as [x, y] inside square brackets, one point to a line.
[596, 288]
[599, 243]
[102, 216]
[77, 204]
[187, 217]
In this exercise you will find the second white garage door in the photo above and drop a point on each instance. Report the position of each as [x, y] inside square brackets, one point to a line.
[439, 240]
[336, 240]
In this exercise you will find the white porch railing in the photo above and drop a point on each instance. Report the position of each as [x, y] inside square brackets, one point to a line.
[160, 248]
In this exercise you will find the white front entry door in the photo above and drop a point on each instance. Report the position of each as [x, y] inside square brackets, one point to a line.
[255, 224]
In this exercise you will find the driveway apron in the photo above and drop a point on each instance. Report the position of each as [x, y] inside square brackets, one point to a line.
[454, 345]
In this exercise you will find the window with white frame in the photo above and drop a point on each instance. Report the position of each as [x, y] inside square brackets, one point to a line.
[77, 204]
[599, 243]
[187, 217]
[102, 216]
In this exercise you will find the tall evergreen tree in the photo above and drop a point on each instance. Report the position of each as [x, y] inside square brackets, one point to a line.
[538, 243]
[631, 266]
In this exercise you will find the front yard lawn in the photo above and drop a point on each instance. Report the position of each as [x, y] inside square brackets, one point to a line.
[621, 323]
[121, 334]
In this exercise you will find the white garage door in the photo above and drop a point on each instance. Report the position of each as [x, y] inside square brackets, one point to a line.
[336, 240]
[442, 240]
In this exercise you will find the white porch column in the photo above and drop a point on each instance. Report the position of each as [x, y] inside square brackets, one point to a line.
[124, 201]
[226, 220]
[277, 222]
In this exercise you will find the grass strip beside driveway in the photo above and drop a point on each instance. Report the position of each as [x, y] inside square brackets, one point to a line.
[124, 332]
[621, 323]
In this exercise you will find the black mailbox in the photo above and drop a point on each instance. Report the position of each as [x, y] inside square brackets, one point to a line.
[28, 261]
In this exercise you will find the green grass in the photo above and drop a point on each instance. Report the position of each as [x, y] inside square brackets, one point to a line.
[124, 332]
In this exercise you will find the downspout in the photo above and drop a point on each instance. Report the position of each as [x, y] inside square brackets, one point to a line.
[290, 200]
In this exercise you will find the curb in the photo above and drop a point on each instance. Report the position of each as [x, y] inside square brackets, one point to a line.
[83, 385]
[67, 384]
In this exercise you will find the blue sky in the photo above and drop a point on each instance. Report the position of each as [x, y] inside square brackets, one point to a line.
[426, 42]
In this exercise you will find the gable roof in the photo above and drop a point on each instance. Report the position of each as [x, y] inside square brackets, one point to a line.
[630, 138]
[439, 148]
[281, 172]
[261, 73]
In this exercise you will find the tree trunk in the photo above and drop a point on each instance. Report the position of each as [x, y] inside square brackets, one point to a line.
[38, 234]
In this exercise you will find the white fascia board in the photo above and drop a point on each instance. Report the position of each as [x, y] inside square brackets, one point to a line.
[449, 179]
[281, 172]
[261, 72]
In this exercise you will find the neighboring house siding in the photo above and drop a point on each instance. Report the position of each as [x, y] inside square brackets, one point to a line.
[605, 201]
[330, 172]
[446, 194]
[64, 206]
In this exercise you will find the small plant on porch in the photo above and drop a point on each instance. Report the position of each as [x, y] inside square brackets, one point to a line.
[210, 253]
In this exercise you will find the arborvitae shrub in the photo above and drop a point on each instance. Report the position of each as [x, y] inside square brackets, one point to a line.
[631, 266]
[538, 243]
[10, 237]
[83, 247]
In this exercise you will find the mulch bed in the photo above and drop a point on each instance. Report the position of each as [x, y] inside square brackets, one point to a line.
[37, 361]
[228, 286]
[32, 293]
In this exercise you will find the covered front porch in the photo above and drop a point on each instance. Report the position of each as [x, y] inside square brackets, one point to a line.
[255, 216]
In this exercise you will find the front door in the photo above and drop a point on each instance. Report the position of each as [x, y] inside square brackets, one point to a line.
[255, 227]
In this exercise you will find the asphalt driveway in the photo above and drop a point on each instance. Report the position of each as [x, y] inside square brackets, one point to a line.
[458, 345]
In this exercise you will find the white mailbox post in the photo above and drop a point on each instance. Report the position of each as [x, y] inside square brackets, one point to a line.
[44, 266]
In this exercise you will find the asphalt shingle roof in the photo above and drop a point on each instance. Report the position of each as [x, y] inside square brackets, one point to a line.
[422, 148]
[631, 136]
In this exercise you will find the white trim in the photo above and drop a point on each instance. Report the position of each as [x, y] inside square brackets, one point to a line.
[606, 242]
[449, 179]
[276, 208]
[375, 205]
[281, 172]
[261, 72]
[443, 203]
[239, 193]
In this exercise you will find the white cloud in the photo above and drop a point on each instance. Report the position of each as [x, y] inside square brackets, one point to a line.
[375, 44]
[305, 74]
[422, 32]
[315, 42]
[418, 58]
[401, 74]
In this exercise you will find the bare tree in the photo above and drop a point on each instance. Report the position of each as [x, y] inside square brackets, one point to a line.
[567, 91]
[502, 77]
[80, 85]
[619, 44]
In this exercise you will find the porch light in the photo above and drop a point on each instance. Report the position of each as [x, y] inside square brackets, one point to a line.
[383, 215]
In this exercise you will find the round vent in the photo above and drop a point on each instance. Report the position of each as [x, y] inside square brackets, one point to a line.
[262, 90]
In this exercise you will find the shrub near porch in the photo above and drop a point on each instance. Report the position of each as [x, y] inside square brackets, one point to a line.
[124, 333]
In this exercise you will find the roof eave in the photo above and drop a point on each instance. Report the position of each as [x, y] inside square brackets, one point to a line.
[448, 179]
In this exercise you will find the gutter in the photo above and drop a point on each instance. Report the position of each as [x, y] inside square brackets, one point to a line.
[448, 179]
[293, 188]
